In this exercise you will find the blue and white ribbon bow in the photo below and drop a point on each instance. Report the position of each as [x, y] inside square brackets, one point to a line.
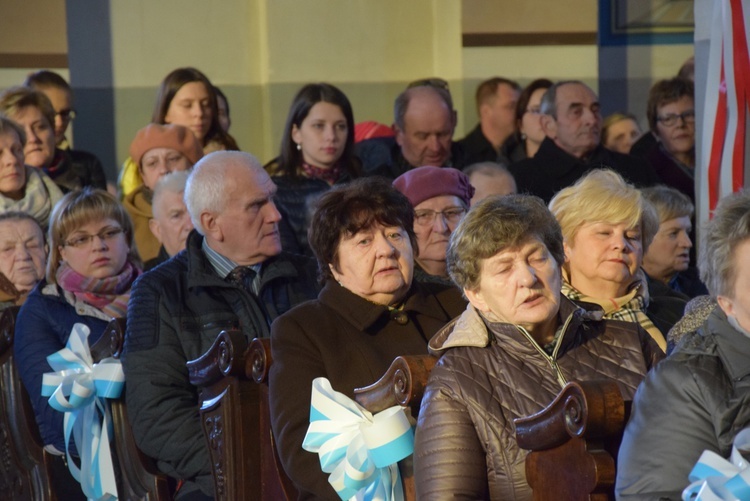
[360, 450]
[78, 388]
[716, 479]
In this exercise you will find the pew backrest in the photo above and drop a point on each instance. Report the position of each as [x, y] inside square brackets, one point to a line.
[24, 464]
[573, 442]
[137, 475]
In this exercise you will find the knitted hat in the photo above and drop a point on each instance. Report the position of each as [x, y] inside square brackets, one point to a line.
[171, 136]
[427, 182]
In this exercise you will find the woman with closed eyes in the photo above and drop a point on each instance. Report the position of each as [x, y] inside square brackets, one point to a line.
[606, 225]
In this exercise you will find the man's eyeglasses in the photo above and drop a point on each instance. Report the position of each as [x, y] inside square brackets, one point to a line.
[106, 235]
[670, 120]
[66, 114]
[426, 217]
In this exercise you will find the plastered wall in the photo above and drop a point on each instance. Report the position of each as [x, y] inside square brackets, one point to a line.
[261, 51]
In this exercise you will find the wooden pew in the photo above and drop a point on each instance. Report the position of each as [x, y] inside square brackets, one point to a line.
[230, 418]
[136, 474]
[402, 384]
[233, 378]
[574, 442]
[24, 464]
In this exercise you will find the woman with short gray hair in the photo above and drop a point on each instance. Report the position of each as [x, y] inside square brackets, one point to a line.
[699, 398]
[511, 351]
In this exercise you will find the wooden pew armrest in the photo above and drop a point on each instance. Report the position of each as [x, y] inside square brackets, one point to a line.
[402, 384]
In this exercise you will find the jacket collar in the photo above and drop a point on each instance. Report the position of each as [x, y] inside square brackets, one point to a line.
[732, 346]
[472, 329]
[202, 273]
[363, 314]
[559, 162]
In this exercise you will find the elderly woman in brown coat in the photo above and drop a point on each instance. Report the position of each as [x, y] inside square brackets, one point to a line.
[509, 354]
[369, 312]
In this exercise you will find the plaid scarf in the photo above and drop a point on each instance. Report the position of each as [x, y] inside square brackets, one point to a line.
[110, 295]
[630, 307]
[330, 176]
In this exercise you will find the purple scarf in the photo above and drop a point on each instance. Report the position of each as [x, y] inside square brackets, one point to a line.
[109, 295]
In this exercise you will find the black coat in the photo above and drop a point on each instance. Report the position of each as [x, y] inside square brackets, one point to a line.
[175, 313]
[477, 148]
[553, 169]
[76, 169]
[381, 156]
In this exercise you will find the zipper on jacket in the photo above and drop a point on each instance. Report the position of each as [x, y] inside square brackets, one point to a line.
[551, 360]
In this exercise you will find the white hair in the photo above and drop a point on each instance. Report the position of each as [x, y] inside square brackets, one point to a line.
[173, 182]
[206, 186]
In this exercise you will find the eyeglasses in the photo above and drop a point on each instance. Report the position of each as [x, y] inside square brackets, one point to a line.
[670, 120]
[534, 110]
[66, 114]
[106, 235]
[426, 217]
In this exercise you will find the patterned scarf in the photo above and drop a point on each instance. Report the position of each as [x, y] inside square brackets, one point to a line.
[40, 195]
[330, 176]
[631, 307]
[110, 295]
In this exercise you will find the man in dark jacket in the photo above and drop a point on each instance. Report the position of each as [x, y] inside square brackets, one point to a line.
[572, 121]
[231, 275]
[424, 121]
[496, 101]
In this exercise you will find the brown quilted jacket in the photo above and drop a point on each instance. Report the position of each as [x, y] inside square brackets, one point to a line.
[492, 373]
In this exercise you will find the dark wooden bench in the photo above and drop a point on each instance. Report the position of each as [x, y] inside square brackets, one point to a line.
[574, 442]
[24, 464]
[136, 474]
[233, 377]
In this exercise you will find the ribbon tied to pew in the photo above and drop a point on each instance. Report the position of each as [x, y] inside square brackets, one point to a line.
[78, 388]
[359, 450]
[717, 479]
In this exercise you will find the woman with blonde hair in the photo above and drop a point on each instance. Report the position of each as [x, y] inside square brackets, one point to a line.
[90, 271]
[606, 225]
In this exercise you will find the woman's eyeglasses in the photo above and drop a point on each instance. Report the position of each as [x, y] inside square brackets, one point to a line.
[670, 120]
[106, 235]
[426, 217]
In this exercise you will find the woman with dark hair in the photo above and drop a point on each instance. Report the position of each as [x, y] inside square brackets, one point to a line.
[369, 311]
[90, 271]
[317, 151]
[525, 142]
[185, 97]
[671, 117]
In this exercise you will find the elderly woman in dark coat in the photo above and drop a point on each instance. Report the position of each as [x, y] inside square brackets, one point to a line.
[369, 312]
[509, 354]
[699, 398]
